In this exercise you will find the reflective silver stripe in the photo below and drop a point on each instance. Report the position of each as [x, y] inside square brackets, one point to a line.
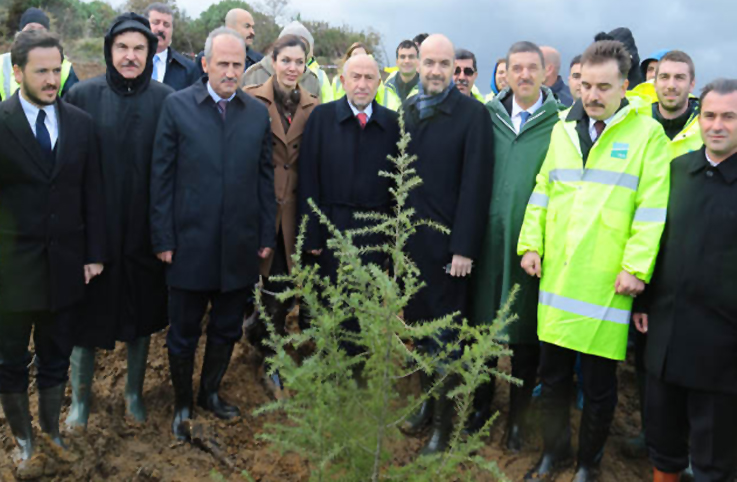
[565, 175]
[538, 199]
[581, 308]
[651, 215]
[612, 178]
[7, 76]
[598, 176]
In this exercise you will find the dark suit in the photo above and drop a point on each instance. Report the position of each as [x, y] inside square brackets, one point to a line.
[181, 72]
[213, 204]
[51, 225]
[455, 151]
[691, 357]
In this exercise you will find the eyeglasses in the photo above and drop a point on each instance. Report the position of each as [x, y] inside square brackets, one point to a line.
[468, 71]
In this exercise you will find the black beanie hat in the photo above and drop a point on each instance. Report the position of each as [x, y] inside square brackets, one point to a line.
[34, 15]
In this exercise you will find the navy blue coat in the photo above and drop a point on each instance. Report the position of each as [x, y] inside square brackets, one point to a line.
[212, 190]
[181, 72]
[51, 213]
[339, 166]
[455, 160]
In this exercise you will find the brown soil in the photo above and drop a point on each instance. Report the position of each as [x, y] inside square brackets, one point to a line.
[113, 448]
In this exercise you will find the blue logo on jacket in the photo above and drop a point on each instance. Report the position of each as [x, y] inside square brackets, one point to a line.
[619, 150]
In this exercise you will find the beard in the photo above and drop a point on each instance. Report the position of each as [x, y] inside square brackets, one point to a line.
[35, 96]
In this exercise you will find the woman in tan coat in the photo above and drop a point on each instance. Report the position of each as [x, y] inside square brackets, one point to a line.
[289, 107]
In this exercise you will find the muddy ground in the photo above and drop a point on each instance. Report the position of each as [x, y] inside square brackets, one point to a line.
[115, 449]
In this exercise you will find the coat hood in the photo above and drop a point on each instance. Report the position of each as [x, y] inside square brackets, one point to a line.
[494, 87]
[624, 35]
[125, 23]
[657, 55]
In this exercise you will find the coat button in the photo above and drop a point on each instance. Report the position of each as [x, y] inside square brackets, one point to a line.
[296, 146]
[709, 173]
[286, 167]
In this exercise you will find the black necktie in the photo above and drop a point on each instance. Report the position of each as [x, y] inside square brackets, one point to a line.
[42, 134]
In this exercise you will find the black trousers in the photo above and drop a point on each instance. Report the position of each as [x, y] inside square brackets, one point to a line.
[681, 421]
[525, 362]
[186, 310]
[600, 399]
[53, 339]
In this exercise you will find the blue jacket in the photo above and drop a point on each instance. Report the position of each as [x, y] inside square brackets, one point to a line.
[180, 71]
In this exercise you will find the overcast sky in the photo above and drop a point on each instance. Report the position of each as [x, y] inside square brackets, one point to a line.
[705, 30]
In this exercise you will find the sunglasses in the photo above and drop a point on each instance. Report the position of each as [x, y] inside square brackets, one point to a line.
[468, 71]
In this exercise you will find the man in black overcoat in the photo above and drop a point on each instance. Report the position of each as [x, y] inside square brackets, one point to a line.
[52, 234]
[346, 144]
[169, 66]
[128, 302]
[689, 311]
[452, 138]
[213, 213]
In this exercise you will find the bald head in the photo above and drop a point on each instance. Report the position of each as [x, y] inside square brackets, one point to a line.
[552, 64]
[437, 55]
[360, 80]
[242, 22]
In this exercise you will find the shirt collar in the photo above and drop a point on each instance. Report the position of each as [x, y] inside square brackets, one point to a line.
[606, 122]
[708, 159]
[516, 109]
[215, 96]
[368, 110]
[32, 111]
[163, 56]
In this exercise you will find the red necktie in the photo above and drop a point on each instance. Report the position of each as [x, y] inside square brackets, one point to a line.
[362, 119]
[599, 127]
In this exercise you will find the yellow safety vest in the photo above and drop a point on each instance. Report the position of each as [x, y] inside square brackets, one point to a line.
[8, 85]
[326, 90]
[688, 140]
[591, 222]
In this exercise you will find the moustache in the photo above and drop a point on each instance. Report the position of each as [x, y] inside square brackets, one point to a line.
[50, 87]
[463, 82]
[436, 77]
[228, 79]
[162, 35]
[252, 36]
[594, 103]
[525, 82]
[131, 63]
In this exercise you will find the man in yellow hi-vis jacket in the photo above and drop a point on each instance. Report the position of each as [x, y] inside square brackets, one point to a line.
[595, 218]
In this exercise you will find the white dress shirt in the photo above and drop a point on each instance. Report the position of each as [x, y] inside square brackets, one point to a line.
[160, 64]
[592, 129]
[708, 159]
[517, 110]
[51, 123]
[368, 110]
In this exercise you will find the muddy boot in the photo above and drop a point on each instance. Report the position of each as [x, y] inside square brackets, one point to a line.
[83, 369]
[416, 423]
[636, 447]
[442, 421]
[137, 356]
[49, 409]
[593, 433]
[217, 359]
[18, 415]
[181, 369]
[482, 399]
[557, 454]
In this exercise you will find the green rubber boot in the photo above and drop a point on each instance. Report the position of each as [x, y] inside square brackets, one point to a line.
[18, 416]
[137, 357]
[83, 369]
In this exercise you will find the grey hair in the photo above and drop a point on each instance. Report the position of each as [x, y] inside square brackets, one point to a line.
[348, 62]
[217, 33]
[719, 86]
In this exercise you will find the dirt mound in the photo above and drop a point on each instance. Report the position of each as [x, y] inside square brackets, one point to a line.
[114, 449]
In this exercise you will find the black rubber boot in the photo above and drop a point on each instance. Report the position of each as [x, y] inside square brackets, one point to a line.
[217, 359]
[524, 367]
[137, 357]
[636, 447]
[594, 431]
[557, 453]
[18, 415]
[181, 369]
[50, 401]
[482, 400]
[419, 421]
[442, 421]
[82, 373]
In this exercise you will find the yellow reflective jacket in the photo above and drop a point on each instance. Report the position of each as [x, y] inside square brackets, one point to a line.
[591, 222]
[8, 85]
[326, 89]
[476, 94]
[391, 96]
[688, 140]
